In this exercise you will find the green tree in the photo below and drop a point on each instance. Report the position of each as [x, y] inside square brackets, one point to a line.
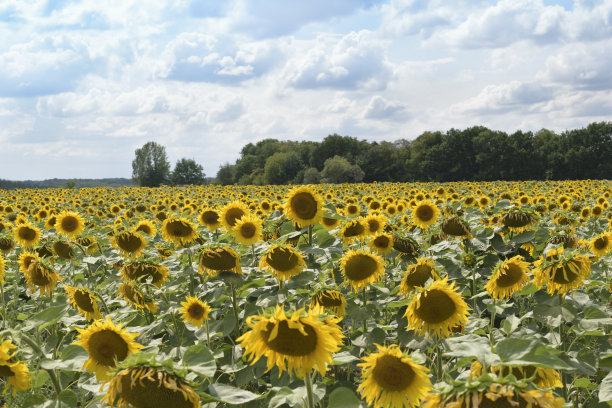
[340, 170]
[187, 171]
[282, 168]
[150, 168]
[312, 176]
[225, 175]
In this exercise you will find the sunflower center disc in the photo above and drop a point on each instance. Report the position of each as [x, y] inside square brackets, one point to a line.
[5, 371]
[83, 300]
[218, 261]
[69, 223]
[509, 276]
[38, 274]
[601, 243]
[158, 393]
[196, 311]
[233, 215]
[27, 234]
[392, 374]
[291, 342]
[436, 307]
[382, 242]
[282, 260]
[105, 346]
[328, 300]
[210, 217]
[144, 228]
[128, 242]
[360, 267]
[248, 230]
[354, 229]
[419, 276]
[563, 274]
[304, 205]
[178, 229]
[424, 213]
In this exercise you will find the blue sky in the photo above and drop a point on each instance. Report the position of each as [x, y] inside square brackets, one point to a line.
[84, 83]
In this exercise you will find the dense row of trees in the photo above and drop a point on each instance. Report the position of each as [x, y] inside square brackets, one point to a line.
[476, 153]
[150, 168]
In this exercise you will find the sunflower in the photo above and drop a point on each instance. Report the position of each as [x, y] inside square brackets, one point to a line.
[304, 206]
[84, 301]
[425, 214]
[601, 244]
[329, 299]
[484, 201]
[146, 227]
[17, 375]
[149, 387]
[282, 261]
[352, 230]
[106, 344]
[361, 267]
[69, 223]
[6, 245]
[143, 271]
[375, 224]
[382, 243]
[25, 259]
[248, 229]
[295, 344]
[392, 379]
[6, 349]
[27, 235]
[2, 269]
[220, 259]
[330, 223]
[62, 249]
[561, 272]
[508, 277]
[195, 311]
[210, 219]
[39, 274]
[417, 275]
[231, 213]
[455, 227]
[129, 243]
[544, 377]
[134, 297]
[518, 220]
[179, 231]
[437, 309]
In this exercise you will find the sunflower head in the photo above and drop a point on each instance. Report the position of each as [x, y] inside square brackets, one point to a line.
[179, 231]
[330, 223]
[361, 268]
[6, 245]
[195, 311]
[352, 230]
[304, 206]
[455, 227]
[40, 275]
[424, 214]
[69, 223]
[129, 243]
[382, 243]
[282, 261]
[231, 213]
[134, 297]
[375, 224]
[518, 220]
[221, 259]
[16, 374]
[417, 275]
[561, 272]
[62, 249]
[248, 229]
[601, 244]
[210, 219]
[143, 271]
[405, 245]
[27, 235]
[508, 277]
[330, 299]
[146, 227]
[84, 301]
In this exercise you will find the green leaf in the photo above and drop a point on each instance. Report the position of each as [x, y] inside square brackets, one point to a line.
[471, 345]
[344, 357]
[605, 389]
[520, 352]
[200, 360]
[66, 399]
[324, 238]
[231, 395]
[524, 237]
[510, 324]
[343, 397]
[46, 318]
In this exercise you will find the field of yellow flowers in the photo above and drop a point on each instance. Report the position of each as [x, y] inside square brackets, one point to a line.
[428, 295]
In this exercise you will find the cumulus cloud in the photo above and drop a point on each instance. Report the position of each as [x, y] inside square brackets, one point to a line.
[511, 96]
[582, 66]
[381, 109]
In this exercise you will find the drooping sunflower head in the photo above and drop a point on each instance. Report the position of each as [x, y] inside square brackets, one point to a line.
[508, 277]
[143, 271]
[437, 309]
[221, 259]
[146, 227]
[106, 344]
[361, 267]
[84, 301]
[297, 344]
[129, 243]
[601, 244]
[518, 220]
[6, 245]
[70, 223]
[283, 261]
[27, 235]
[210, 219]
[144, 386]
[231, 213]
[135, 297]
[248, 229]
[16, 374]
[25, 259]
[179, 231]
[40, 275]
[352, 230]
[455, 227]
[62, 249]
[195, 311]
[405, 245]
[424, 214]
[382, 243]
[330, 299]
[417, 275]
[304, 206]
[391, 379]
[561, 272]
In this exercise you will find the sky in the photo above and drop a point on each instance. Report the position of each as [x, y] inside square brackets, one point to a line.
[84, 83]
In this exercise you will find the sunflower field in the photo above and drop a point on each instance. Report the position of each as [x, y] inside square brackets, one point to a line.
[450, 295]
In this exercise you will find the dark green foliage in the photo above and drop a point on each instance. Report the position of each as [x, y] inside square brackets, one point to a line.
[339, 170]
[61, 183]
[150, 167]
[187, 171]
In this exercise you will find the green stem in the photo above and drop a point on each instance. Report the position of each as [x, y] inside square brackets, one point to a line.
[310, 235]
[365, 301]
[438, 359]
[563, 349]
[52, 374]
[492, 324]
[235, 307]
[3, 305]
[309, 393]
[473, 290]
[207, 334]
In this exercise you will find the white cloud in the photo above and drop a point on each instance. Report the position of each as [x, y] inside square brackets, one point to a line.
[511, 96]
[380, 108]
[582, 65]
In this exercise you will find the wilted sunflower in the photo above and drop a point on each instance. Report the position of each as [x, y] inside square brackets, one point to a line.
[382, 243]
[179, 231]
[149, 387]
[106, 343]
[561, 272]
[146, 227]
[220, 259]
[84, 301]
[6, 245]
[231, 213]
[437, 309]
[39, 274]
[143, 271]
[129, 243]
[195, 311]
[16, 374]
[282, 261]
[69, 223]
[417, 275]
[248, 229]
[425, 214]
[62, 249]
[210, 219]
[304, 206]
[601, 244]
[508, 277]
[455, 227]
[518, 220]
[361, 268]
[330, 299]
[27, 235]
[296, 344]
[134, 297]
[391, 379]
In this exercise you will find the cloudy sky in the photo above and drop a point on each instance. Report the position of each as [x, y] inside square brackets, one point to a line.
[84, 83]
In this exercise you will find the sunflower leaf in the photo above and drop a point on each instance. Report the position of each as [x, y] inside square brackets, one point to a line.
[605, 389]
[200, 360]
[343, 397]
[232, 395]
[521, 352]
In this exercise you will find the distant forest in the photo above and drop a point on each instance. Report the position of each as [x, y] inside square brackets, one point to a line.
[63, 183]
[476, 153]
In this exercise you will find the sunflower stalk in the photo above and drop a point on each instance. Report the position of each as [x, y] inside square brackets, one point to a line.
[365, 301]
[52, 373]
[492, 323]
[3, 305]
[562, 341]
[309, 392]
[235, 308]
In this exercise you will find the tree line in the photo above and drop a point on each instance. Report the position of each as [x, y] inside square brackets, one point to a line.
[476, 153]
